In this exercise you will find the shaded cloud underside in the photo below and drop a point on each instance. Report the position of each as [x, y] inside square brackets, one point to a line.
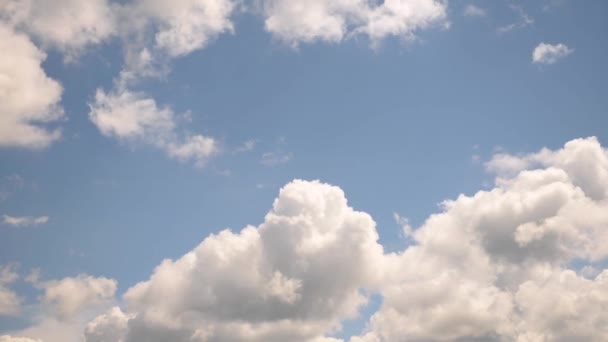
[493, 266]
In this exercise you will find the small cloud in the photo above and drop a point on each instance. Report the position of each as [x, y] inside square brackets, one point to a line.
[275, 158]
[550, 53]
[24, 221]
[523, 21]
[406, 228]
[474, 11]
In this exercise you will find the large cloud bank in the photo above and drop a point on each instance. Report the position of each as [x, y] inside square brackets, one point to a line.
[494, 266]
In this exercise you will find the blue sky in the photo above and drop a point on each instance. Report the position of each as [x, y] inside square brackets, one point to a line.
[399, 125]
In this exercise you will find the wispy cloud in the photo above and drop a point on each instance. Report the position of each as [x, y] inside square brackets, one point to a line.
[524, 20]
[276, 158]
[474, 11]
[24, 221]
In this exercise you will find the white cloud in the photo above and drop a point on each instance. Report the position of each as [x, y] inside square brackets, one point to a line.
[68, 25]
[70, 296]
[494, 266]
[550, 53]
[293, 278]
[64, 308]
[155, 31]
[24, 221]
[474, 11]
[333, 20]
[137, 119]
[10, 303]
[29, 99]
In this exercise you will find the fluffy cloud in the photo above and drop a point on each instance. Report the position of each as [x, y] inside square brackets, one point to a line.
[68, 25]
[64, 308]
[10, 303]
[293, 278]
[29, 99]
[71, 296]
[333, 20]
[550, 53]
[494, 266]
[136, 118]
[23, 221]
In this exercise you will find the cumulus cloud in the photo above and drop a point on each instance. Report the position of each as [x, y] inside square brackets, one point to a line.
[24, 221]
[10, 303]
[550, 53]
[29, 99]
[333, 20]
[67, 25]
[70, 296]
[64, 308]
[135, 118]
[494, 265]
[295, 277]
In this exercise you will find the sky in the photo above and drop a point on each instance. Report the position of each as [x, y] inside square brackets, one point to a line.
[308, 171]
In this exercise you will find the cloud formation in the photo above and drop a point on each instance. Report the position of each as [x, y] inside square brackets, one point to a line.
[550, 53]
[493, 266]
[265, 283]
[135, 118]
[334, 20]
[24, 221]
[29, 99]
[10, 303]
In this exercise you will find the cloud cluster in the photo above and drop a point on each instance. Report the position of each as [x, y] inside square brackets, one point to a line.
[550, 53]
[495, 266]
[524, 261]
[292, 278]
[491, 266]
[63, 308]
[333, 20]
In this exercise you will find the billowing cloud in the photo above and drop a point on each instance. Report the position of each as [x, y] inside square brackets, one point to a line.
[333, 20]
[295, 277]
[495, 265]
[10, 303]
[68, 25]
[550, 53]
[70, 296]
[24, 221]
[136, 118]
[29, 99]
[64, 308]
